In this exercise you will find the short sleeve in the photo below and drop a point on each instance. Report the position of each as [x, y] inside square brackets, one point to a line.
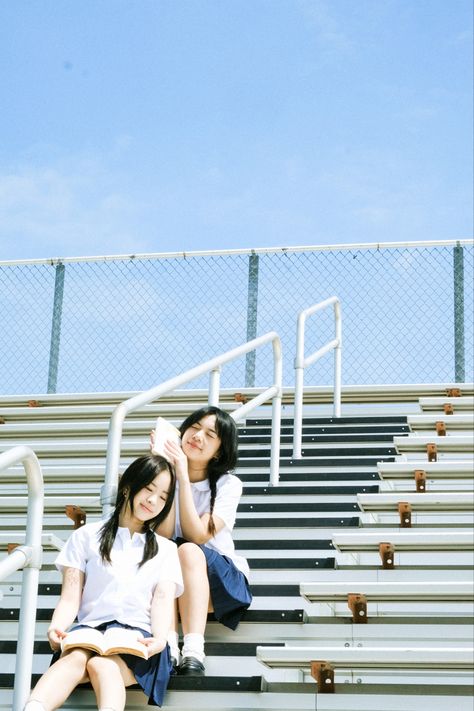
[74, 552]
[229, 491]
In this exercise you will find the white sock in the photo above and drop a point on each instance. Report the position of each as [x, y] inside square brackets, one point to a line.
[193, 646]
[173, 641]
[34, 705]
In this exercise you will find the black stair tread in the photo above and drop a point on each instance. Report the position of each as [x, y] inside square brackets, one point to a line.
[322, 428]
[336, 522]
[295, 507]
[309, 490]
[291, 563]
[324, 460]
[181, 683]
[272, 544]
[316, 453]
[351, 420]
[322, 438]
[317, 476]
[250, 616]
[281, 590]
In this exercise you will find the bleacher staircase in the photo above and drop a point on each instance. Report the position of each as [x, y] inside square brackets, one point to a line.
[314, 582]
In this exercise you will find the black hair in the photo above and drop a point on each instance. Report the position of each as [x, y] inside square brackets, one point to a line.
[137, 475]
[226, 457]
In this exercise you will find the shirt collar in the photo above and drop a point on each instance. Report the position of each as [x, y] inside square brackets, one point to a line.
[124, 535]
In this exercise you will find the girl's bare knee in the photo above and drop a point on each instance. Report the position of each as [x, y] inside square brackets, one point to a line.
[191, 555]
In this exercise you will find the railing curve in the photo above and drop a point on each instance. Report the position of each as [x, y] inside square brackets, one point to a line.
[213, 366]
[28, 557]
[302, 362]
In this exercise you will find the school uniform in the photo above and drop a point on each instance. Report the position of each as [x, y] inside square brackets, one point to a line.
[228, 572]
[120, 594]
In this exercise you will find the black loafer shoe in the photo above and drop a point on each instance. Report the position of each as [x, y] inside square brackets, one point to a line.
[174, 664]
[190, 666]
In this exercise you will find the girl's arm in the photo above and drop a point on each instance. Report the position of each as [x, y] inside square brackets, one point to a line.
[193, 526]
[166, 527]
[67, 607]
[162, 616]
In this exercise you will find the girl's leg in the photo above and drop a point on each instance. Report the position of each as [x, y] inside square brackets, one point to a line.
[193, 607]
[109, 676]
[60, 680]
[173, 636]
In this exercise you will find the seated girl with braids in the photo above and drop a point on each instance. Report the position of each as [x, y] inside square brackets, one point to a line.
[117, 573]
[201, 522]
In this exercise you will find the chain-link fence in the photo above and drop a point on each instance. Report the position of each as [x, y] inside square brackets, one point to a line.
[128, 323]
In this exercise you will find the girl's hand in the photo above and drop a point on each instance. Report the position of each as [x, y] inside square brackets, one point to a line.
[155, 644]
[55, 635]
[178, 459]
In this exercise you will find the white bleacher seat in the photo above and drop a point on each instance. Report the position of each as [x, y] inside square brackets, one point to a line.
[429, 591]
[448, 443]
[452, 422]
[400, 658]
[439, 502]
[463, 402]
[406, 540]
[444, 469]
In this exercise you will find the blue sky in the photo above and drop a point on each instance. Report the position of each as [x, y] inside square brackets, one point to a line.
[175, 125]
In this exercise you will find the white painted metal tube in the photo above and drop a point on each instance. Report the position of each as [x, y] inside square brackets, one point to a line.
[301, 363]
[28, 557]
[109, 488]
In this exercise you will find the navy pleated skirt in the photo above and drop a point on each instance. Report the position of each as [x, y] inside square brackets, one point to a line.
[229, 588]
[152, 674]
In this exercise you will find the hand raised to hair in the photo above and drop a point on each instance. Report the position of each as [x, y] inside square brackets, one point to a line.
[177, 458]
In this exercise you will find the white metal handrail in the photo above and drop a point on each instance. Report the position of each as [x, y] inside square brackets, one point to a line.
[213, 366]
[301, 363]
[28, 557]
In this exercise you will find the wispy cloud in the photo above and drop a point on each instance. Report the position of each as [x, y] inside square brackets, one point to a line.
[51, 209]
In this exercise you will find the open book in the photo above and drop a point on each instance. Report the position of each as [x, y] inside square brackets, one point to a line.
[164, 430]
[115, 640]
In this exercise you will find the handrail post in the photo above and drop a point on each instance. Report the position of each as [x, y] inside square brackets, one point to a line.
[214, 386]
[299, 386]
[337, 361]
[30, 576]
[301, 362]
[276, 414]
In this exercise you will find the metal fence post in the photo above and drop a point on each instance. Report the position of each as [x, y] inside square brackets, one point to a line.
[458, 273]
[56, 328]
[252, 308]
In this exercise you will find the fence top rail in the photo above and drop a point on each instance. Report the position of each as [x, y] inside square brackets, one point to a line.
[53, 261]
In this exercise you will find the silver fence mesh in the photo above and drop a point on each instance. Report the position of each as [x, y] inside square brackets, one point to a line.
[128, 323]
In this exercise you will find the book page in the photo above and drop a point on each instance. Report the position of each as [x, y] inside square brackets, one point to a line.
[116, 640]
[85, 637]
[164, 430]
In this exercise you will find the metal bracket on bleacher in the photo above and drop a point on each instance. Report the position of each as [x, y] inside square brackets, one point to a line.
[323, 674]
[11, 547]
[440, 428]
[240, 397]
[34, 403]
[404, 510]
[420, 480]
[432, 452]
[453, 392]
[358, 606]
[387, 554]
[2, 420]
[448, 408]
[77, 514]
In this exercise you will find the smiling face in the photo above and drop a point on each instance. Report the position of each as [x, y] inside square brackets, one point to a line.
[149, 501]
[200, 442]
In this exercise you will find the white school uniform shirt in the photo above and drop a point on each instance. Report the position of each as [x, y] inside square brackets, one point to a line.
[228, 493]
[119, 591]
